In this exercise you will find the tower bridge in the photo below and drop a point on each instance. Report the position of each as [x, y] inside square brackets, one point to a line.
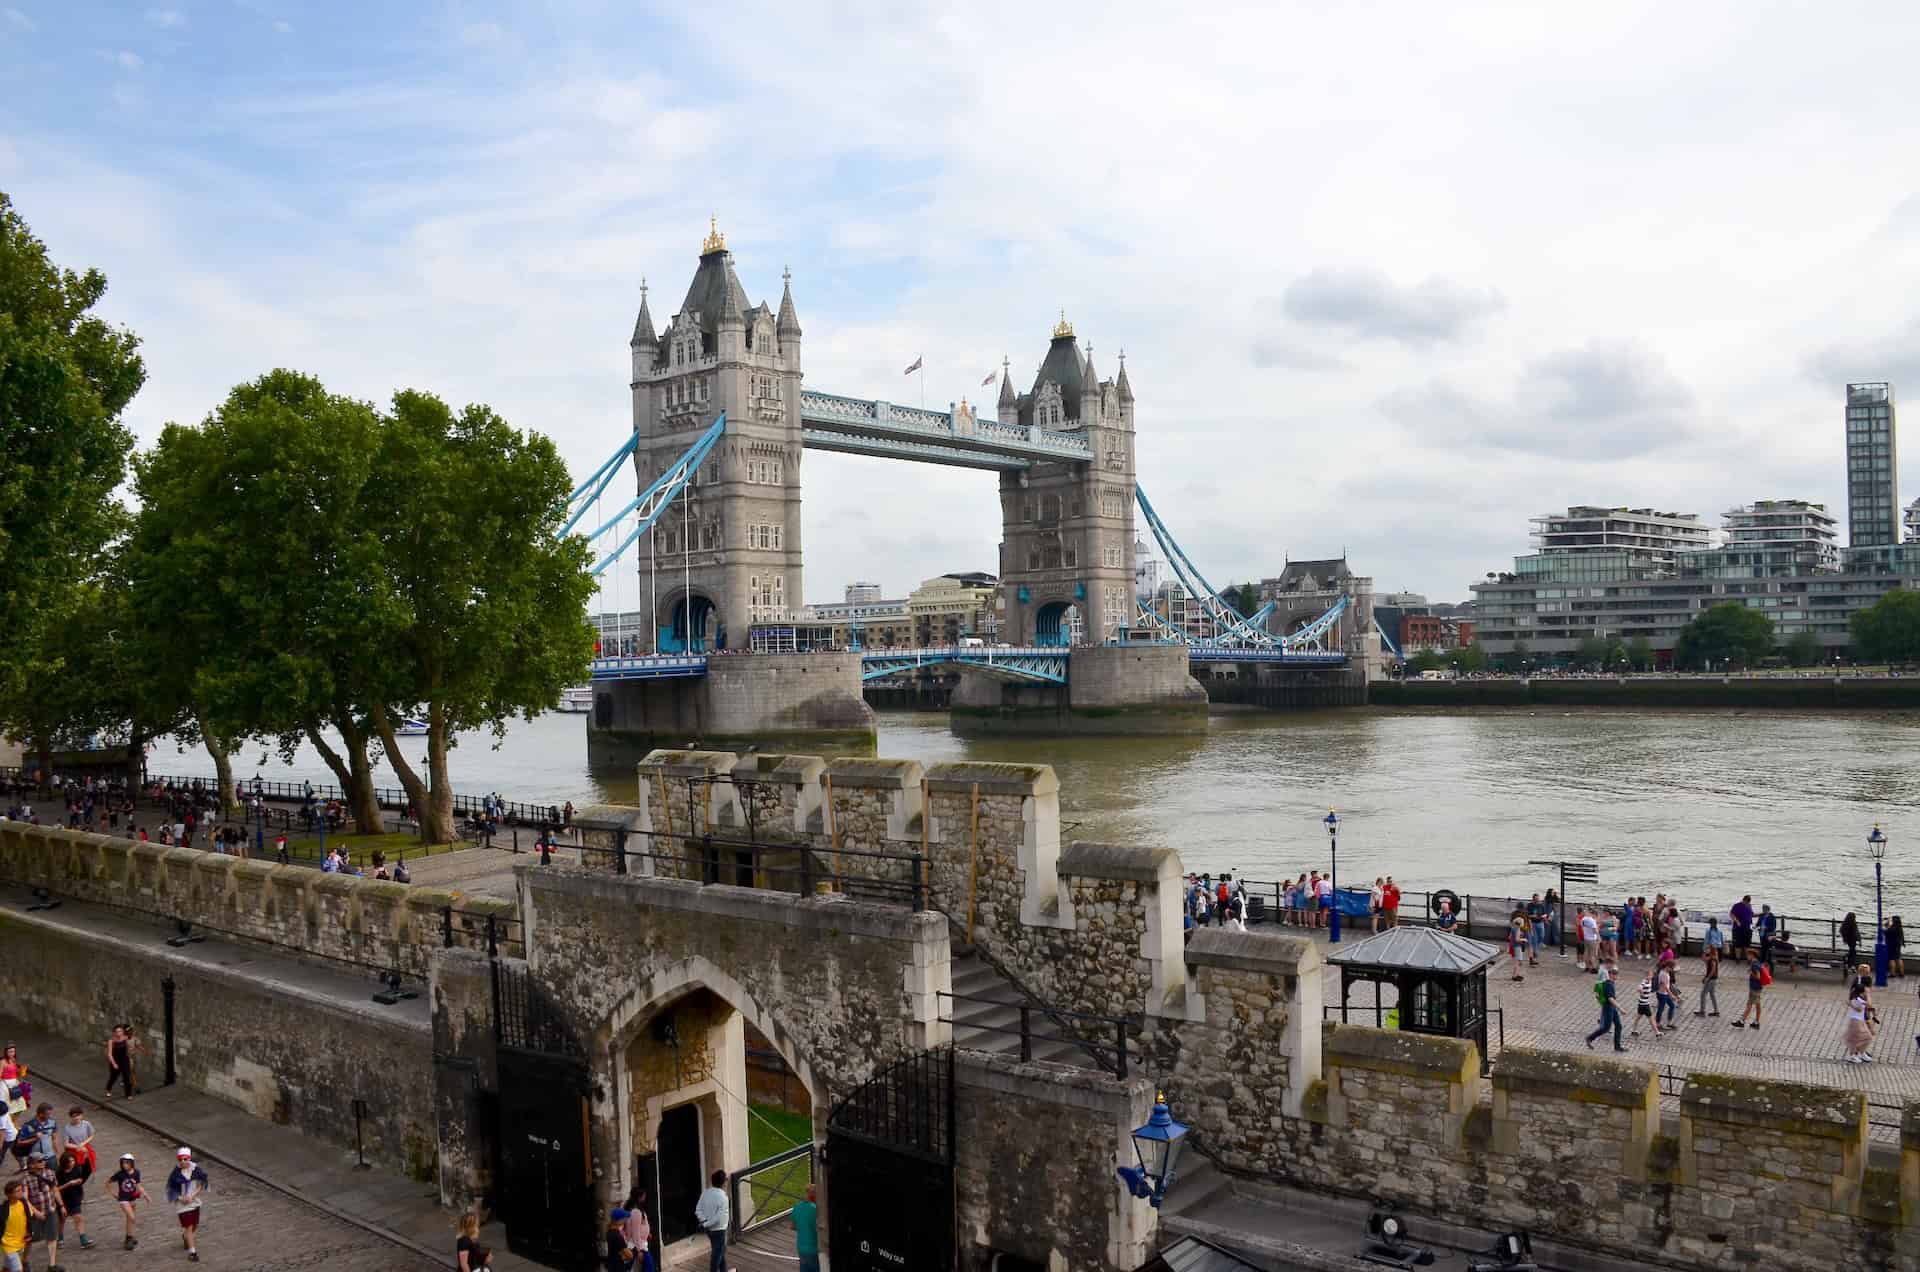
[721, 419]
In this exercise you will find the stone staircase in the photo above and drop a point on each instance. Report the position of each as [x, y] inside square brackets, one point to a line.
[986, 1017]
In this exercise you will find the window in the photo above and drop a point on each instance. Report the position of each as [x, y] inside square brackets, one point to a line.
[1111, 506]
[1033, 560]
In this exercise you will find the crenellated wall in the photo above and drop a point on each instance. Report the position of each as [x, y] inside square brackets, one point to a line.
[293, 907]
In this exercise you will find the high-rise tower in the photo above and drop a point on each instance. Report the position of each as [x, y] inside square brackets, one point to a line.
[1873, 467]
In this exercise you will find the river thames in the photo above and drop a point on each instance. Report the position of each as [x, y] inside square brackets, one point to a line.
[1707, 805]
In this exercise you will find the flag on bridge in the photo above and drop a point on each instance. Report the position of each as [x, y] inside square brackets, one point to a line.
[915, 367]
[991, 377]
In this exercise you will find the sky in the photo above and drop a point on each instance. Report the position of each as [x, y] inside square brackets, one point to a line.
[1390, 278]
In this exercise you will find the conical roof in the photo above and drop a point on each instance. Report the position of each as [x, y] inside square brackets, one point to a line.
[1418, 949]
[1125, 389]
[1007, 396]
[715, 292]
[643, 328]
[789, 320]
[1063, 366]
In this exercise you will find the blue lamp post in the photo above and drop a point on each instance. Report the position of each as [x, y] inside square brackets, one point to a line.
[1333, 842]
[1877, 845]
[1157, 1145]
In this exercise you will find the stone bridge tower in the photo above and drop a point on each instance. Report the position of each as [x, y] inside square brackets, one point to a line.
[1066, 552]
[730, 557]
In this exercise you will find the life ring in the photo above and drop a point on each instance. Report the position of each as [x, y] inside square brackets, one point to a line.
[1444, 894]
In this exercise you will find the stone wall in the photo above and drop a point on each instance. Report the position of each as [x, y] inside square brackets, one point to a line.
[291, 907]
[465, 1074]
[294, 1053]
[774, 701]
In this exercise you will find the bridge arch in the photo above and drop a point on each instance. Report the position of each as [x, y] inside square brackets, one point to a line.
[1053, 623]
[689, 621]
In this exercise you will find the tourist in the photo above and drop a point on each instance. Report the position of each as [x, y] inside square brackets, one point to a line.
[1391, 899]
[639, 1229]
[1610, 939]
[1758, 978]
[1516, 941]
[1858, 1035]
[1589, 941]
[1628, 914]
[1850, 937]
[77, 1136]
[128, 1192]
[620, 1254]
[1765, 927]
[711, 1213]
[37, 1134]
[1313, 898]
[1668, 999]
[1446, 918]
[806, 1232]
[1326, 898]
[1643, 1008]
[466, 1237]
[1237, 905]
[1537, 915]
[1713, 940]
[1603, 989]
[1896, 941]
[1377, 900]
[13, 1079]
[1742, 916]
[71, 1178]
[119, 1063]
[13, 1228]
[187, 1189]
[43, 1200]
[1710, 981]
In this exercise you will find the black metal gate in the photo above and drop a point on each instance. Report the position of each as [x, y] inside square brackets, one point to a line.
[890, 1169]
[545, 1187]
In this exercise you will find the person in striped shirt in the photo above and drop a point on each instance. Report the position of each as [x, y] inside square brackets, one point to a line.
[1644, 1008]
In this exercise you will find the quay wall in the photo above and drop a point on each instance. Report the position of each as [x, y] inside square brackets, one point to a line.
[1823, 693]
[293, 908]
[771, 700]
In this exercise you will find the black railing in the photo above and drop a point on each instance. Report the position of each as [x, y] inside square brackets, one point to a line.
[906, 1107]
[466, 929]
[798, 867]
[393, 798]
[1111, 1057]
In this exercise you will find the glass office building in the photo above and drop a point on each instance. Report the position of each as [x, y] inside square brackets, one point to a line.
[1873, 467]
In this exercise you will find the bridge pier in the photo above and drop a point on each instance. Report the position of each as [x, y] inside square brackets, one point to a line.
[1110, 689]
[767, 702]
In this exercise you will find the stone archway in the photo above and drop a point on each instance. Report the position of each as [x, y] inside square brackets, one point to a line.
[689, 622]
[1054, 623]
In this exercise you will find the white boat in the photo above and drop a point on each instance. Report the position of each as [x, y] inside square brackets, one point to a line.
[577, 700]
[411, 728]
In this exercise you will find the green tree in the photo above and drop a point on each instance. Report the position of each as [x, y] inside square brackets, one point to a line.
[1592, 653]
[1804, 650]
[1729, 634]
[1640, 654]
[477, 611]
[65, 378]
[1426, 660]
[1889, 629]
[1471, 658]
[1519, 659]
[1246, 599]
[253, 555]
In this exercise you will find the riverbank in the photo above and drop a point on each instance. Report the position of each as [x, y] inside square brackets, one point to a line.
[1811, 693]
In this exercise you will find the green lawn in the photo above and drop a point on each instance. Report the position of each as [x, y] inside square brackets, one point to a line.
[771, 1131]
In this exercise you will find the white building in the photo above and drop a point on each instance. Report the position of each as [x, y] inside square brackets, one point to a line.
[861, 593]
[1789, 531]
[1641, 537]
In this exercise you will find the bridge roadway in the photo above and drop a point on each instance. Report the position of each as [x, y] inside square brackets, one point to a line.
[1035, 664]
[860, 426]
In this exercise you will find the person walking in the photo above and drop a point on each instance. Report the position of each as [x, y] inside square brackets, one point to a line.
[1667, 998]
[1896, 942]
[43, 1200]
[620, 1255]
[1858, 1035]
[1516, 941]
[1709, 982]
[187, 1189]
[806, 1232]
[71, 1177]
[1850, 937]
[119, 1063]
[1603, 990]
[1643, 1008]
[466, 1235]
[129, 1194]
[1758, 978]
[639, 1229]
[13, 1227]
[77, 1135]
[711, 1213]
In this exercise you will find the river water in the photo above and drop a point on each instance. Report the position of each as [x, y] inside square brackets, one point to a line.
[1707, 805]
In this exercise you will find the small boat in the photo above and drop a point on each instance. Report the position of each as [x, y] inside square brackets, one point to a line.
[411, 728]
[577, 699]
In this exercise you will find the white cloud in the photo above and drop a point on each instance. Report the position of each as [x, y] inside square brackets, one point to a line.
[123, 59]
[1367, 303]
[282, 26]
[19, 20]
[166, 18]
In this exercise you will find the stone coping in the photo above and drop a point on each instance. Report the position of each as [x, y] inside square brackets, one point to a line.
[607, 816]
[687, 763]
[993, 779]
[1400, 1051]
[786, 770]
[1795, 1108]
[893, 775]
[832, 914]
[1138, 862]
[1587, 1079]
[1069, 1085]
[1252, 951]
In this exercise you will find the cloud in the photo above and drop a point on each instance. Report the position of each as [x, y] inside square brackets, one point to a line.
[1369, 304]
[166, 18]
[19, 20]
[282, 26]
[122, 58]
[1891, 356]
[1600, 402]
[1276, 355]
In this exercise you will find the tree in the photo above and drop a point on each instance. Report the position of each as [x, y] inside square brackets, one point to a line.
[477, 611]
[1804, 650]
[1640, 654]
[253, 553]
[1729, 634]
[1889, 629]
[1592, 653]
[1426, 660]
[1246, 599]
[1471, 658]
[1519, 659]
[65, 378]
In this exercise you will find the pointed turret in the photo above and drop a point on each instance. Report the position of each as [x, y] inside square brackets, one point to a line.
[1007, 396]
[1125, 388]
[644, 331]
[789, 320]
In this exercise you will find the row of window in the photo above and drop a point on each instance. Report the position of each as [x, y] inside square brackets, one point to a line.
[688, 391]
[766, 472]
[764, 536]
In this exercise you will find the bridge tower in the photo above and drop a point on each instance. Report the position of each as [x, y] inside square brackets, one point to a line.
[1067, 541]
[739, 526]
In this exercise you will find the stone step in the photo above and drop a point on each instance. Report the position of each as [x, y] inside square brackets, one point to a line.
[1198, 1182]
[966, 1011]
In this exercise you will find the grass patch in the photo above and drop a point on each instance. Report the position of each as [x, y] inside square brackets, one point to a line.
[771, 1131]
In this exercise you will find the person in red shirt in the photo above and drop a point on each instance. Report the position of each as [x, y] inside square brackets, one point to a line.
[1390, 901]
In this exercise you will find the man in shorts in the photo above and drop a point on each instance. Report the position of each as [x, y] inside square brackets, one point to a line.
[44, 1208]
[186, 1188]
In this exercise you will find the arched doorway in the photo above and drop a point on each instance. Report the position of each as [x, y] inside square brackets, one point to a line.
[692, 626]
[1057, 624]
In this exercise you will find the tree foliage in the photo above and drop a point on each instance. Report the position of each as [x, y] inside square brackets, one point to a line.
[66, 376]
[1471, 658]
[1803, 649]
[1728, 635]
[1639, 654]
[1889, 629]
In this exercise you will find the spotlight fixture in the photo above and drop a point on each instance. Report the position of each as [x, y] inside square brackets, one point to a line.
[1510, 1252]
[1387, 1243]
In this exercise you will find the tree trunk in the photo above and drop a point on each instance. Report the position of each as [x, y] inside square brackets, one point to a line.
[222, 767]
[43, 747]
[436, 825]
[136, 770]
[441, 805]
[355, 773]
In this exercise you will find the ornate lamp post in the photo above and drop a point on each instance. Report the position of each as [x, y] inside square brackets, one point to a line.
[1877, 845]
[1157, 1145]
[1333, 842]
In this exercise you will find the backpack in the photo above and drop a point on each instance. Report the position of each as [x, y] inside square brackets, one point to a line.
[1600, 992]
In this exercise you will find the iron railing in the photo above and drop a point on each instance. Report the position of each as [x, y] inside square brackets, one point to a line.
[1110, 1056]
[773, 1187]
[906, 1106]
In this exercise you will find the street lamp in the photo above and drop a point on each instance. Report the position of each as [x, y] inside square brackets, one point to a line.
[1157, 1145]
[1333, 877]
[1877, 845]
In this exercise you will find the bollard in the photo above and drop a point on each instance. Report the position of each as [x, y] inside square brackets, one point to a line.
[167, 989]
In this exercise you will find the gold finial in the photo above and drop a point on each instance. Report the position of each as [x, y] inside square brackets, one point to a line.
[1063, 330]
[716, 241]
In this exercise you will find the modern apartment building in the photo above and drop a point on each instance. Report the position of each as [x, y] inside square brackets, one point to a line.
[1873, 467]
[1641, 536]
[1788, 535]
[862, 593]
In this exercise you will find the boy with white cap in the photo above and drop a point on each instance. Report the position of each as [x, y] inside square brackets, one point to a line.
[128, 1192]
[186, 1187]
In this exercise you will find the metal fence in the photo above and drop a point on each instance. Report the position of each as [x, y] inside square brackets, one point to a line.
[766, 1191]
